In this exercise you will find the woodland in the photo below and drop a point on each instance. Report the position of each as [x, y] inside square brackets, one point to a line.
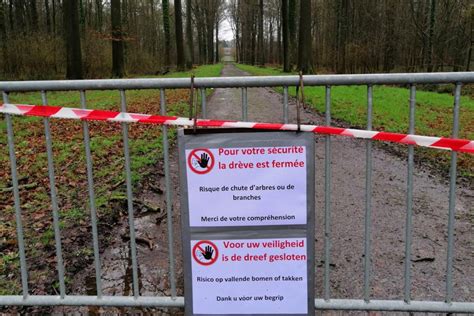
[80, 39]
[55, 39]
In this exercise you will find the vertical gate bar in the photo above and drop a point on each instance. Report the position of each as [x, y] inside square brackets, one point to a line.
[368, 199]
[203, 103]
[409, 219]
[16, 198]
[90, 186]
[169, 216]
[128, 176]
[244, 104]
[285, 105]
[54, 200]
[327, 197]
[452, 198]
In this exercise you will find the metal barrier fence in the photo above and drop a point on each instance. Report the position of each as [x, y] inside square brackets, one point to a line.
[325, 302]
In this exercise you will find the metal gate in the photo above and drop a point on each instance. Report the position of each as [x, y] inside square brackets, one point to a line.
[325, 302]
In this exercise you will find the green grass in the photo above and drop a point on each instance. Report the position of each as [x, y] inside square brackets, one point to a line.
[98, 99]
[9, 264]
[263, 71]
[201, 71]
[391, 110]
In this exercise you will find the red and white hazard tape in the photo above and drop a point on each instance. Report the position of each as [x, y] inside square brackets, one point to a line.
[460, 145]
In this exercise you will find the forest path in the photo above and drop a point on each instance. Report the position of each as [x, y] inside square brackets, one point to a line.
[348, 163]
[430, 204]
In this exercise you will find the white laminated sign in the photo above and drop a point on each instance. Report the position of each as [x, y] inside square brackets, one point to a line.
[247, 210]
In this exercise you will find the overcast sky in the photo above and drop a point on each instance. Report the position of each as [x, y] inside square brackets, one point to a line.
[225, 31]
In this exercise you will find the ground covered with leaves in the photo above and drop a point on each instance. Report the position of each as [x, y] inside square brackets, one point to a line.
[71, 179]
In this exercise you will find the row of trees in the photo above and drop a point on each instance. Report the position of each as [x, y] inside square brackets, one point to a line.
[349, 36]
[96, 38]
[87, 38]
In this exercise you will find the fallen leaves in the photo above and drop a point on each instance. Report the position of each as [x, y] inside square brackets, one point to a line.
[71, 180]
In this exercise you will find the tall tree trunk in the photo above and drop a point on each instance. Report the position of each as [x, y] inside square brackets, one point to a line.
[279, 46]
[217, 40]
[10, 16]
[285, 31]
[390, 37]
[152, 46]
[261, 51]
[292, 31]
[210, 39]
[178, 26]
[342, 21]
[2, 22]
[89, 13]
[304, 47]
[238, 30]
[3, 33]
[202, 46]
[34, 15]
[124, 28]
[210, 16]
[47, 16]
[471, 25]
[20, 16]
[53, 16]
[73, 39]
[117, 40]
[429, 61]
[166, 28]
[99, 15]
[189, 35]
[253, 45]
[270, 42]
[82, 18]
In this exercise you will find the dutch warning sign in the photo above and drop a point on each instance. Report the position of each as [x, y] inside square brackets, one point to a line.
[258, 275]
[205, 252]
[247, 208]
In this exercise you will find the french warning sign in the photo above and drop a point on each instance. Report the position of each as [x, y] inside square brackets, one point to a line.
[200, 161]
[247, 209]
[258, 185]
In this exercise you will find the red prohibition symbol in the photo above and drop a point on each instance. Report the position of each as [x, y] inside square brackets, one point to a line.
[201, 160]
[205, 252]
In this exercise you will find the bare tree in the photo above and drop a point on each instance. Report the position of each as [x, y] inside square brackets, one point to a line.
[261, 51]
[305, 41]
[47, 16]
[189, 35]
[471, 38]
[73, 40]
[33, 15]
[99, 14]
[429, 52]
[285, 31]
[3, 30]
[166, 27]
[178, 25]
[292, 28]
[118, 68]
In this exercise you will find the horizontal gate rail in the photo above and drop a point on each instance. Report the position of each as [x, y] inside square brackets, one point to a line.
[163, 301]
[235, 82]
[365, 302]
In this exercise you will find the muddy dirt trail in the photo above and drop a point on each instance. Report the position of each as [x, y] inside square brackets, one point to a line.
[430, 214]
